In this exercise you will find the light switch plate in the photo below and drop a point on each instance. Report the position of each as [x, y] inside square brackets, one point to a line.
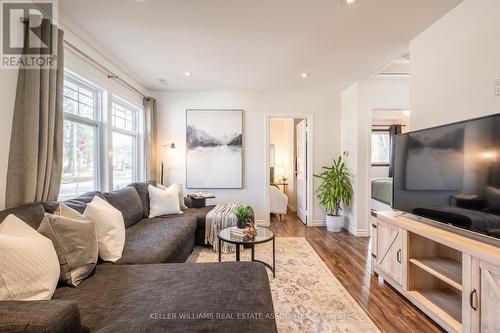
[497, 88]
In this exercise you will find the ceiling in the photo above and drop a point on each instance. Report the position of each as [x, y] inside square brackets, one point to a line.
[252, 44]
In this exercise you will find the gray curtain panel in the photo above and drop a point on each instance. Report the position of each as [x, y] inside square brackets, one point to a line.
[150, 139]
[36, 145]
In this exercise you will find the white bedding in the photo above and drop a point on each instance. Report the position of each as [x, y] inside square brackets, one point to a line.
[278, 201]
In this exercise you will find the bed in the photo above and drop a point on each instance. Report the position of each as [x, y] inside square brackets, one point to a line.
[278, 201]
[381, 194]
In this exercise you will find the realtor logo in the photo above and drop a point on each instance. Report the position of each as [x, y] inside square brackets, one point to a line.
[28, 39]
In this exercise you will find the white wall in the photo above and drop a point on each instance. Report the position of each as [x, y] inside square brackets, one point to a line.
[349, 146]
[454, 65]
[281, 134]
[358, 102]
[323, 107]
[8, 85]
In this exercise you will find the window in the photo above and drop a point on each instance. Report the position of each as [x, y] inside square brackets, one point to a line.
[380, 148]
[125, 143]
[81, 104]
[102, 139]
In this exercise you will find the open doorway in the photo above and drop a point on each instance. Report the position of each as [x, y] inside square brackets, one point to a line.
[288, 166]
[385, 125]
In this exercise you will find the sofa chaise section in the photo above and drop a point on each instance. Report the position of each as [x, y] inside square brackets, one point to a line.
[159, 240]
[54, 316]
[199, 216]
[210, 297]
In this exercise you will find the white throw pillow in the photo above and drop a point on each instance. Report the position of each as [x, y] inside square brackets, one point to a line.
[29, 268]
[163, 202]
[109, 227]
[180, 190]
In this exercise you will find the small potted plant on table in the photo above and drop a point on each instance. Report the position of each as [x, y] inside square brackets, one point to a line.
[245, 221]
[243, 214]
[334, 192]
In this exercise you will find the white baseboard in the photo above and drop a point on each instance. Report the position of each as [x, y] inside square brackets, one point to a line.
[355, 232]
[317, 223]
[263, 223]
[349, 228]
[362, 233]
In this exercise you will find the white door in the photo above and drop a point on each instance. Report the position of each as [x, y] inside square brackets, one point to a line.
[301, 171]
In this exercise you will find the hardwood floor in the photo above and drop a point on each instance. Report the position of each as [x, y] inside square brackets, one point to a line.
[348, 258]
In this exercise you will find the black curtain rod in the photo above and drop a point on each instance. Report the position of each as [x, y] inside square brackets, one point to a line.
[109, 73]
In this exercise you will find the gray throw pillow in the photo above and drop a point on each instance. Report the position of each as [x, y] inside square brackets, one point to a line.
[75, 241]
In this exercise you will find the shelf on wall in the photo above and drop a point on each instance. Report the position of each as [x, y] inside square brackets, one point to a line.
[445, 269]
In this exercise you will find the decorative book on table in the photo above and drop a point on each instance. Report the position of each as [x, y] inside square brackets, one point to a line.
[236, 232]
[202, 195]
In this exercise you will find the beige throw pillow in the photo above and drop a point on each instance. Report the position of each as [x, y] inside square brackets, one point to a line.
[29, 269]
[75, 241]
[109, 226]
[163, 202]
[180, 191]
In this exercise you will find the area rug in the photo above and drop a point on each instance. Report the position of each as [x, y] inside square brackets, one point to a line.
[306, 295]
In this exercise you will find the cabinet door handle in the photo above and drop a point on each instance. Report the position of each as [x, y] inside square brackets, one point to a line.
[398, 256]
[473, 299]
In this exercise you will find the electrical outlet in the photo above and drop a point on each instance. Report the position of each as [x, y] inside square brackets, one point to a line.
[497, 88]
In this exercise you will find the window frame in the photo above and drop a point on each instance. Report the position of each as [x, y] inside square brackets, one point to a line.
[96, 123]
[379, 164]
[106, 93]
[136, 133]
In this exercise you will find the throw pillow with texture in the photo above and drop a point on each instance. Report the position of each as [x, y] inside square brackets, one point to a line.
[180, 191]
[75, 242]
[163, 202]
[29, 269]
[109, 227]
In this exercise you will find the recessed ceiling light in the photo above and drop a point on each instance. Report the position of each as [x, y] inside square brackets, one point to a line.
[304, 75]
[163, 81]
[348, 2]
[406, 112]
[187, 74]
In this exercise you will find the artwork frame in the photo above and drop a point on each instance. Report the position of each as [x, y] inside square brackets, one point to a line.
[214, 148]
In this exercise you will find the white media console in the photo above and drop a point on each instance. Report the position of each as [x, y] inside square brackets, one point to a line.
[453, 279]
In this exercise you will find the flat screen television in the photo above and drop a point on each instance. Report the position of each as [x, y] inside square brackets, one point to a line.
[451, 174]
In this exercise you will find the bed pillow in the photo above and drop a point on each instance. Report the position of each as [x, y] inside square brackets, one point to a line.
[163, 202]
[180, 191]
[109, 227]
[75, 241]
[29, 269]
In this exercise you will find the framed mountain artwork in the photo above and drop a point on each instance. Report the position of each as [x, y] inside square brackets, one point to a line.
[214, 149]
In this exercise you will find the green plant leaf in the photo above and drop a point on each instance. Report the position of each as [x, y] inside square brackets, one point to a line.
[335, 189]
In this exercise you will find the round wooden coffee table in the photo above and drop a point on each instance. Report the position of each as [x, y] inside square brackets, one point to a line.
[263, 235]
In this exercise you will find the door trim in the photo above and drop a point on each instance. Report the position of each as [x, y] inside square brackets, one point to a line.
[310, 161]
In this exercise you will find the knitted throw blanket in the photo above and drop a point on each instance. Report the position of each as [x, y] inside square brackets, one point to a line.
[220, 217]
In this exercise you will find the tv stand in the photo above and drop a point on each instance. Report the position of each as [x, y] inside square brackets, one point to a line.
[451, 228]
[454, 279]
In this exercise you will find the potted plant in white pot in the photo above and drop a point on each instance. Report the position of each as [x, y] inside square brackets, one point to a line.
[334, 192]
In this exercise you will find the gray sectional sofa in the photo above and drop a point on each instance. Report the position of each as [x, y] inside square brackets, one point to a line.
[150, 289]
